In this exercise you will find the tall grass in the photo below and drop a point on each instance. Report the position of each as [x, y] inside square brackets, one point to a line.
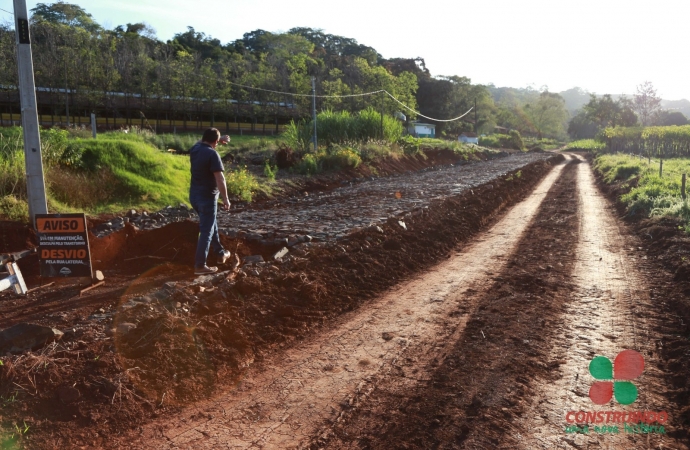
[343, 127]
[650, 193]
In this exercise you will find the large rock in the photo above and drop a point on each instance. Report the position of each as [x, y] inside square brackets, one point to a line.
[26, 336]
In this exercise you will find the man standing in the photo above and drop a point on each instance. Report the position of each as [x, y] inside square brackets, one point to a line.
[208, 182]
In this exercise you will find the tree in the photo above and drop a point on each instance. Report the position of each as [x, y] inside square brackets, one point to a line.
[666, 118]
[548, 115]
[65, 14]
[646, 103]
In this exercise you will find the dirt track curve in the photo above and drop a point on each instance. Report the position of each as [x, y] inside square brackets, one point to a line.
[352, 386]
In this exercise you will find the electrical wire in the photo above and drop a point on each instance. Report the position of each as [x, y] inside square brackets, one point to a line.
[6, 11]
[353, 95]
[305, 95]
[426, 117]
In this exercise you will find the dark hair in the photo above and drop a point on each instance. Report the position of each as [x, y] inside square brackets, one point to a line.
[211, 135]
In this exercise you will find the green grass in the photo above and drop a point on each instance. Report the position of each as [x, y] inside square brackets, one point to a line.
[544, 144]
[587, 145]
[182, 142]
[656, 196]
[144, 176]
[512, 141]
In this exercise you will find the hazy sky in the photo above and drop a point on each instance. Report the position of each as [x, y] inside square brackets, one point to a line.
[603, 46]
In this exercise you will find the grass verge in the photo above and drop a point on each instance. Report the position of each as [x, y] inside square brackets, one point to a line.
[648, 192]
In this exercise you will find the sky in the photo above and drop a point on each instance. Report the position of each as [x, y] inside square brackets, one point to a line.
[602, 46]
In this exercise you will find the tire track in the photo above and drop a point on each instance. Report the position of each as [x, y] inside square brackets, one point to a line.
[609, 311]
[477, 387]
[300, 393]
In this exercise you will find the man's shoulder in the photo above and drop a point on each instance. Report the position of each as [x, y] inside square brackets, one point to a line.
[200, 147]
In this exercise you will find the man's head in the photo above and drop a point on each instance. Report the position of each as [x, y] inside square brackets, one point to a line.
[211, 137]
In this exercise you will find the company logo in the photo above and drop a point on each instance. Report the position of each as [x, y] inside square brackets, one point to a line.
[65, 271]
[616, 377]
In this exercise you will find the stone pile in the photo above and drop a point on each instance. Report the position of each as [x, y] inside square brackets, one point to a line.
[144, 220]
[326, 216]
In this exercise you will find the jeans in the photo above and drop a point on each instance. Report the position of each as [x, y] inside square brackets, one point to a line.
[207, 208]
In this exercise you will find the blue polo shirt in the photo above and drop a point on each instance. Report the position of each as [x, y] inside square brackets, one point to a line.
[205, 161]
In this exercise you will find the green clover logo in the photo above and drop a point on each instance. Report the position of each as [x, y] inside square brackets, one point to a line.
[628, 365]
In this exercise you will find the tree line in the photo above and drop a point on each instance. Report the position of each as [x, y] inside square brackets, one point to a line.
[128, 72]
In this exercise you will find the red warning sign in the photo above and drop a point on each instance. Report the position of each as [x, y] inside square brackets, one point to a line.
[63, 245]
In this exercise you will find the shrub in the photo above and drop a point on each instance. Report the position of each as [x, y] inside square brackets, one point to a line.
[515, 140]
[340, 158]
[298, 135]
[308, 165]
[242, 184]
[512, 140]
[13, 208]
[270, 171]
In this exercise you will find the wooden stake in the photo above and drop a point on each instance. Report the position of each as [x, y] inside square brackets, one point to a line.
[682, 187]
[100, 283]
[40, 287]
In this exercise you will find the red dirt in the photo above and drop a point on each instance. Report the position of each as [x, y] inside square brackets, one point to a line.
[185, 347]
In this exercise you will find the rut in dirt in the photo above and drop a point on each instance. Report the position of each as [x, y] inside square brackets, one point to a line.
[508, 379]
[291, 398]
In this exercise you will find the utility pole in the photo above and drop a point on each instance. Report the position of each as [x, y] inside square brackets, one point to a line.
[383, 98]
[476, 127]
[93, 125]
[35, 183]
[66, 95]
[313, 111]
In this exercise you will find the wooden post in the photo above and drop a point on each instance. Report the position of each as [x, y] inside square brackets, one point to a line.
[682, 187]
[661, 167]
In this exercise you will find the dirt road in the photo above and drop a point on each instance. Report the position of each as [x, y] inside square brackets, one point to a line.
[490, 349]
[468, 321]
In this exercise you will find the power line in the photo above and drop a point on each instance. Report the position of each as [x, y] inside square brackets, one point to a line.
[353, 95]
[422, 115]
[304, 95]
[6, 11]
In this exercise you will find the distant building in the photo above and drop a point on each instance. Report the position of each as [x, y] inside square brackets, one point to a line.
[419, 129]
[469, 138]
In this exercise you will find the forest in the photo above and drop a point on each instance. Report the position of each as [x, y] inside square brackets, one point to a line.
[128, 73]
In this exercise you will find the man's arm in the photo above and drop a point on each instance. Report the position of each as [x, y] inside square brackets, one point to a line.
[223, 188]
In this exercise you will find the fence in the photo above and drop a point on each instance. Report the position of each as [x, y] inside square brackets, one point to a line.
[663, 142]
[158, 125]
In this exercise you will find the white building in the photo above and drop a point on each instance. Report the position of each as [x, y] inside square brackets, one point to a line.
[419, 129]
[469, 138]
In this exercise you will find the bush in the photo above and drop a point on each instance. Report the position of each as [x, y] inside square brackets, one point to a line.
[13, 208]
[340, 158]
[270, 171]
[513, 140]
[242, 184]
[308, 165]
[298, 135]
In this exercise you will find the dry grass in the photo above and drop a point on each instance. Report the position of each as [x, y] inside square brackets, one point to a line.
[82, 189]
